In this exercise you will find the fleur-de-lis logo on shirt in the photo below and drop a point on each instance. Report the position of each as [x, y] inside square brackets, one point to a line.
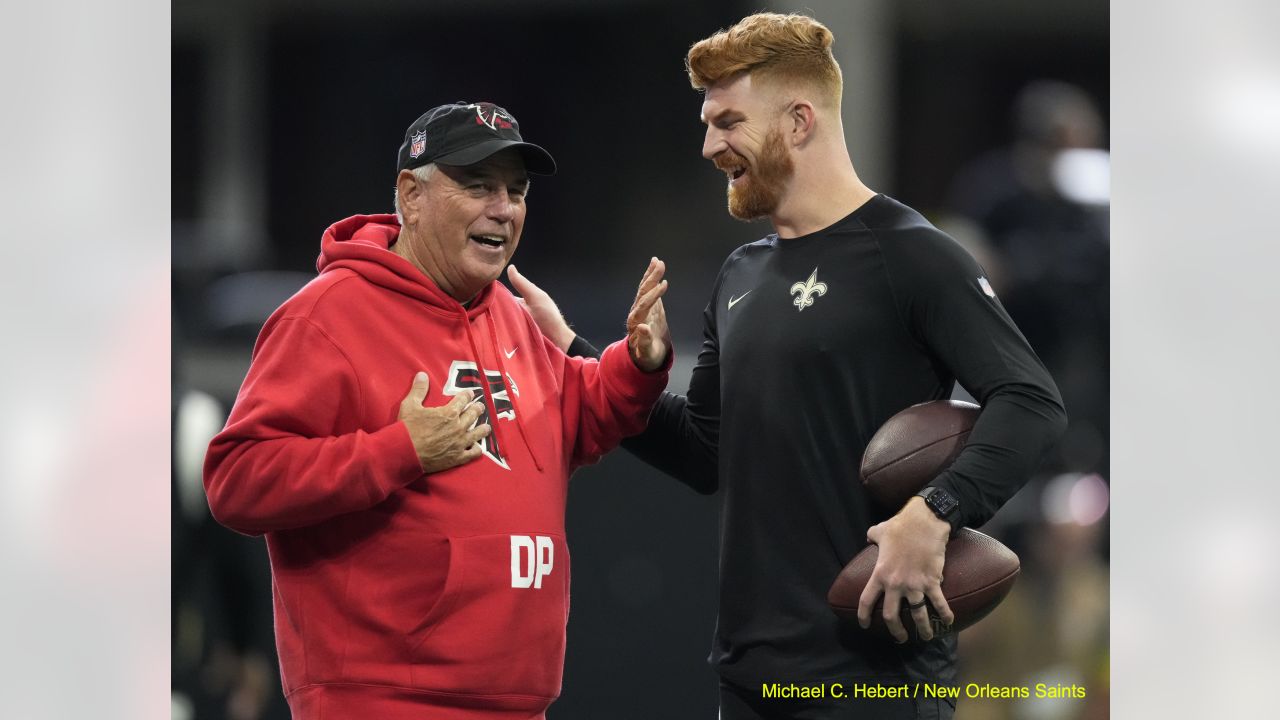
[804, 291]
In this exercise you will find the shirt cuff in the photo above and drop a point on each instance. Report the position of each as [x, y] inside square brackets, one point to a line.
[581, 348]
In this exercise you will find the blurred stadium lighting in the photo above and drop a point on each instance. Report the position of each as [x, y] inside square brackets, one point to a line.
[1083, 175]
[1079, 498]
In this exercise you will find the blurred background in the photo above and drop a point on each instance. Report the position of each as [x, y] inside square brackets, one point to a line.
[989, 116]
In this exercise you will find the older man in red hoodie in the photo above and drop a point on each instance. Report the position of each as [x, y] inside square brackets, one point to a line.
[417, 541]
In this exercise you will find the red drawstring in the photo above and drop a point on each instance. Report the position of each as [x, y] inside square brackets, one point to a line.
[511, 394]
[484, 384]
[484, 380]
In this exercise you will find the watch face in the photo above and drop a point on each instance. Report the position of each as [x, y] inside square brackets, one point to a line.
[942, 502]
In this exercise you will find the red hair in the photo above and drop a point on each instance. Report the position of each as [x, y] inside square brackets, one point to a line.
[792, 48]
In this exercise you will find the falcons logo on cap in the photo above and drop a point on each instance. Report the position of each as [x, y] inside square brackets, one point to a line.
[492, 116]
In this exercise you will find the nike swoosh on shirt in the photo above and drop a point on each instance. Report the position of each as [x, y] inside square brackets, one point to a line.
[513, 351]
[734, 300]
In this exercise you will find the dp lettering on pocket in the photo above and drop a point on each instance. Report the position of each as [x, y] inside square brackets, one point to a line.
[535, 553]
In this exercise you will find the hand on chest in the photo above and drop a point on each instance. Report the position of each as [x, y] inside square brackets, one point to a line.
[500, 370]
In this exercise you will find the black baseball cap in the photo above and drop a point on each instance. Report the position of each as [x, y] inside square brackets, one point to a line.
[464, 133]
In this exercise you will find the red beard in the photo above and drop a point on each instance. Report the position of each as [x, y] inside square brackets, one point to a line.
[758, 193]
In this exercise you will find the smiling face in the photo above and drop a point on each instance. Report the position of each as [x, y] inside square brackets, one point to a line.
[463, 225]
[745, 140]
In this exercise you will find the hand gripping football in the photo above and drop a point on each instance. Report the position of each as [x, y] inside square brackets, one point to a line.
[978, 574]
[904, 456]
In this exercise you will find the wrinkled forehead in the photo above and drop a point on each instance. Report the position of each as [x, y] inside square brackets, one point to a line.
[743, 95]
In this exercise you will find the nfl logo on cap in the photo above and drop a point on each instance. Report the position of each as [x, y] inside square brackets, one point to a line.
[419, 143]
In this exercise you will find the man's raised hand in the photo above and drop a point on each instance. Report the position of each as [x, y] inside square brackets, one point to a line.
[648, 337]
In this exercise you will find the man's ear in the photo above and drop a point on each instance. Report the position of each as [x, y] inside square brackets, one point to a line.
[409, 189]
[801, 122]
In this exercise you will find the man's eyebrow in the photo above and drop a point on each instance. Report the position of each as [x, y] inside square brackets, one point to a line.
[520, 183]
[723, 116]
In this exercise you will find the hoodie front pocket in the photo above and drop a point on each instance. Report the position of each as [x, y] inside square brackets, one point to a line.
[499, 626]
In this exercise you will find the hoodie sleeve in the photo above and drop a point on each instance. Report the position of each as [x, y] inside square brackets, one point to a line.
[683, 435]
[285, 459]
[605, 400]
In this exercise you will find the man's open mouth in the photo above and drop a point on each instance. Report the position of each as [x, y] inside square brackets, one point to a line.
[493, 241]
[735, 173]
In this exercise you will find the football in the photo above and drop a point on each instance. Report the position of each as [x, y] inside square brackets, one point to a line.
[912, 447]
[979, 572]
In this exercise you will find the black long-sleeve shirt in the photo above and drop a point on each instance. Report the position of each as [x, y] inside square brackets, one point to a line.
[810, 345]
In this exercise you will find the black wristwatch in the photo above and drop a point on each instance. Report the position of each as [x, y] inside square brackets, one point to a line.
[940, 501]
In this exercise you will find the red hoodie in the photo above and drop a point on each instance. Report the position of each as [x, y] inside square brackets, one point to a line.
[398, 594]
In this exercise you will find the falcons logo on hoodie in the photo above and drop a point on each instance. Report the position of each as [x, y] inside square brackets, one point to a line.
[463, 375]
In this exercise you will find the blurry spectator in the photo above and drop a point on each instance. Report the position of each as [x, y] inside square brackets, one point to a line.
[1039, 207]
[1042, 204]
